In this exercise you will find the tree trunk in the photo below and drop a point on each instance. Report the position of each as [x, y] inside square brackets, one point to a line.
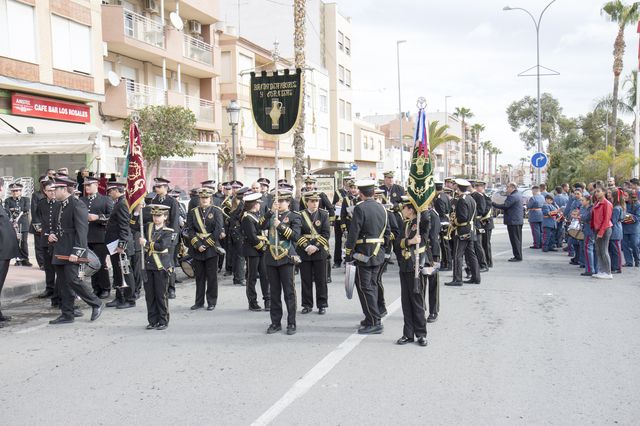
[618, 53]
[299, 13]
[484, 161]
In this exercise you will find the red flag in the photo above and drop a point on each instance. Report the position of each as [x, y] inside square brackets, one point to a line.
[134, 169]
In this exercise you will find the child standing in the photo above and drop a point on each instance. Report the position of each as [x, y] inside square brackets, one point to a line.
[549, 210]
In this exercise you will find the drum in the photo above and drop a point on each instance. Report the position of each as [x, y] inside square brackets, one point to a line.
[186, 264]
[349, 279]
[93, 265]
[575, 230]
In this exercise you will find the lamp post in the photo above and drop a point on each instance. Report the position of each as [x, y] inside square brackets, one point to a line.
[398, 43]
[537, 25]
[446, 144]
[234, 117]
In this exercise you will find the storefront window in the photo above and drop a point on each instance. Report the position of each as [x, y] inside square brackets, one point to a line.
[36, 165]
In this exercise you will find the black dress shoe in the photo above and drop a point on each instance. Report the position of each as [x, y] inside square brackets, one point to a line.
[227, 273]
[151, 326]
[404, 340]
[162, 327]
[196, 307]
[337, 265]
[253, 306]
[484, 270]
[454, 283]
[273, 329]
[104, 294]
[45, 294]
[291, 329]
[55, 304]
[371, 329]
[432, 318]
[322, 311]
[26, 263]
[363, 323]
[306, 310]
[18, 263]
[383, 313]
[62, 319]
[211, 307]
[586, 274]
[422, 341]
[96, 312]
[267, 305]
[114, 303]
[178, 281]
[515, 259]
[329, 280]
[77, 313]
[5, 318]
[126, 305]
[471, 282]
[172, 294]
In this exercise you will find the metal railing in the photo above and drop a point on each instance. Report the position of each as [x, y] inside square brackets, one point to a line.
[202, 108]
[197, 50]
[143, 29]
[140, 95]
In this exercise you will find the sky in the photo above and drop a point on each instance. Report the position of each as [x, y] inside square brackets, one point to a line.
[472, 50]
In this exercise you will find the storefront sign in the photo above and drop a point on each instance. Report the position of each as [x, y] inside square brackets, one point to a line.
[33, 106]
[275, 100]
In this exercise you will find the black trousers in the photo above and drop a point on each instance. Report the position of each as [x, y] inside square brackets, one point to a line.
[314, 271]
[238, 263]
[368, 292]
[155, 293]
[49, 269]
[445, 249]
[477, 247]
[486, 246]
[255, 267]
[228, 261]
[136, 270]
[23, 249]
[281, 281]
[70, 285]
[337, 249]
[206, 274]
[4, 269]
[515, 238]
[382, 305]
[173, 252]
[464, 251]
[127, 293]
[434, 293]
[100, 280]
[415, 321]
[40, 250]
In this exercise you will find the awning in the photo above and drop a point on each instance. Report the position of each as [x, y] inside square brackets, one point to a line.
[47, 137]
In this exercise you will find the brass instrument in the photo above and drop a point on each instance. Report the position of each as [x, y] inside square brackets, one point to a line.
[451, 228]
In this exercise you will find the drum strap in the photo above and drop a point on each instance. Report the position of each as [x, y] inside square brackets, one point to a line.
[154, 254]
[314, 233]
[203, 229]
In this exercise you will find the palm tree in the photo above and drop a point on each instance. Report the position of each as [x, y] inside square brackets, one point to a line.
[463, 113]
[630, 83]
[299, 12]
[438, 135]
[486, 146]
[624, 15]
[477, 129]
[496, 151]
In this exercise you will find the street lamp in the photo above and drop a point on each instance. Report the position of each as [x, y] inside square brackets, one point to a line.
[537, 25]
[446, 144]
[398, 43]
[234, 117]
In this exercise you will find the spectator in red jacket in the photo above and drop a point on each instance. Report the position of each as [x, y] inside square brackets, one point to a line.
[601, 225]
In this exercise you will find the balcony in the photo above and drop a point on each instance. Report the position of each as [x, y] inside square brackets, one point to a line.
[140, 96]
[143, 29]
[202, 108]
[197, 50]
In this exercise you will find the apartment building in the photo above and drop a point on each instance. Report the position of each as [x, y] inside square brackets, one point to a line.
[163, 53]
[51, 81]
[369, 150]
[255, 150]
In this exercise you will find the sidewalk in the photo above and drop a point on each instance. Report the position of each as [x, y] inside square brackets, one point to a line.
[22, 282]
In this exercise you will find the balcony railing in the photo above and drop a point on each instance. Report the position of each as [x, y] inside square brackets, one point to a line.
[139, 95]
[202, 108]
[143, 29]
[197, 50]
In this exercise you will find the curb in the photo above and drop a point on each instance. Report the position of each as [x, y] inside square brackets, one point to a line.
[21, 292]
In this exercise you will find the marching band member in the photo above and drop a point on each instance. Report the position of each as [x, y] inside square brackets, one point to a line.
[254, 247]
[338, 201]
[465, 208]
[486, 224]
[8, 249]
[394, 220]
[280, 260]
[442, 205]
[18, 208]
[393, 192]
[433, 254]
[313, 248]
[35, 199]
[204, 226]
[157, 243]
[43, 224]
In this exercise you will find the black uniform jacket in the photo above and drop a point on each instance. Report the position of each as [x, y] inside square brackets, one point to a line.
[44, 220]
[71, 229]
[315, 230]
[465, 215]
[255, 244]
[408, 230]
[119, 226]
[393, 194]
[9, 246]
[203, 229]
[35, 199]
[442, 205]
[368, 232]
[15, 207]
[102, 206]
[324, 204]
[288, 233]
[157, 253]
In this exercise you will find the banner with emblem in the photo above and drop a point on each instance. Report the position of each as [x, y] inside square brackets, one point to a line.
[134, 169]
[275, 101]
[421, 186]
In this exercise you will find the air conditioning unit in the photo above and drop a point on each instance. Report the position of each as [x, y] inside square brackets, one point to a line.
[195, 27]
[151, 6]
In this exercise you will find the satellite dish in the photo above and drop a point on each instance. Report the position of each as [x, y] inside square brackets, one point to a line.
[176, 21]
[113, 78]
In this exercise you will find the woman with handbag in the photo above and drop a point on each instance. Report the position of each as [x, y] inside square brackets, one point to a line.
[601, 225]
[615, 242]
[631, 230]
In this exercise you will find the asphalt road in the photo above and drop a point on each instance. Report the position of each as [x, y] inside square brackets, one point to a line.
[535, 343]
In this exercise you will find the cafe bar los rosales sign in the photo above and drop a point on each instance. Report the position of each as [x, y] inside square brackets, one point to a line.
[53, 109]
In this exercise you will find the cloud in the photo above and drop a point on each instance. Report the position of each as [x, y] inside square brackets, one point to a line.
[484, 30]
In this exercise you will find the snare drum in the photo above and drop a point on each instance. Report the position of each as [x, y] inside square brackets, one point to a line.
[186, 264]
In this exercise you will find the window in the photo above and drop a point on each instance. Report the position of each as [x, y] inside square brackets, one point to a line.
[342, 142]
[347, 115]
[347, 77]
[71, 45]
[324, 105]
[341, 108]
[341, 74]
[17, 31]
[349, 143]
[347, 45]
[340, 40]
[225, 67]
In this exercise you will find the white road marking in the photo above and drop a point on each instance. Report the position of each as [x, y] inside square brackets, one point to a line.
[502, 253]
[30, 329]
[314, 375]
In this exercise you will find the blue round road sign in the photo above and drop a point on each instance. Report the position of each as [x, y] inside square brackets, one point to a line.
[354, 167]
[539, 160]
